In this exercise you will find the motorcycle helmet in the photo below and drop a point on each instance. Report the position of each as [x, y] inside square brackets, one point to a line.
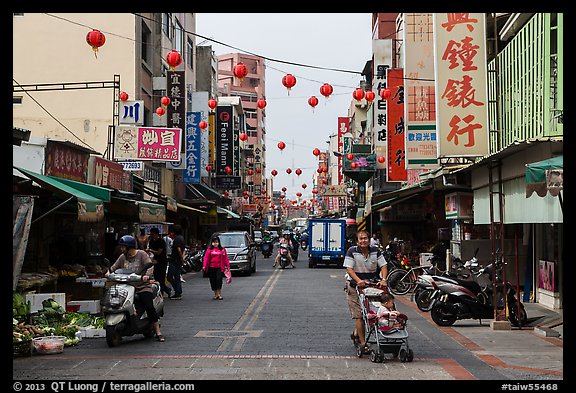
[128, 241]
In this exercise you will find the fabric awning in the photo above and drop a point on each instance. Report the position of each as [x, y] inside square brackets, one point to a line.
[90, 208]
[230, 213]
[545, 176]
[182, 206]
[150, 213]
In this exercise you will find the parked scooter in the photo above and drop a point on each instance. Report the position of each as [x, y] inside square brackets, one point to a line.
[123, 314]
[192, 260]
[424, 292]
[455, 301]
[267, 248]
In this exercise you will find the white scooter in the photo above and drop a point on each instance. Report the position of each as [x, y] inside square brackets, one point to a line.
[123, 314]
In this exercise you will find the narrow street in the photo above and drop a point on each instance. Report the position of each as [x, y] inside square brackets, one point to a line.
[288, 324]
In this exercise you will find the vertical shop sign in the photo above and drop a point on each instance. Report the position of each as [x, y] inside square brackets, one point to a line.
[224, 139]
[176, 110]
[343, 129]
[191, 173]
[200, 104]
[420, 107]
[460, 69]
[396, 135]
[382, 50]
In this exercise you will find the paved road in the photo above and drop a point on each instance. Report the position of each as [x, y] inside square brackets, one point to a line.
[273, 325]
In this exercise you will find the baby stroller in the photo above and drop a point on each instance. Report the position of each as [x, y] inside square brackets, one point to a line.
[391, 338]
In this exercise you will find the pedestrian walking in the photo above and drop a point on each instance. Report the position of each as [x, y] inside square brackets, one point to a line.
[143, 239]
[216, 265]
[157, 247]
[362, 262]
[175, 263]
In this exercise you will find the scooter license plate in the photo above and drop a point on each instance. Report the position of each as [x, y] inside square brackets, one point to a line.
[326, 257]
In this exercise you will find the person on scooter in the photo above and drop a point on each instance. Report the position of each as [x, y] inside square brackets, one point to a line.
[362, 263]
[135, 259]
[285, 240]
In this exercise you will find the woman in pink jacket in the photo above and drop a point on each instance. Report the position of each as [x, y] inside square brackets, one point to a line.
[215, 263]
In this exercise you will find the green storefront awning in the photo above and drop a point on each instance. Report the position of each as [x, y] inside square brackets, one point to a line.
[150, 213]
[545, 176]
[90, 208]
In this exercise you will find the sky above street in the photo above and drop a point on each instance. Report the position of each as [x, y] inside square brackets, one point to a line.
[318, 41]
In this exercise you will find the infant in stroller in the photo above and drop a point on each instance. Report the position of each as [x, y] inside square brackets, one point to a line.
[388, 317]
[385, 327]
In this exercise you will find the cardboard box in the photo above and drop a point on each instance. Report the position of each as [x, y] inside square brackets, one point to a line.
[86, 306]
[36, 300]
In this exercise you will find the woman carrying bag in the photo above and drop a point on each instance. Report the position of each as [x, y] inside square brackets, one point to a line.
[217, 266]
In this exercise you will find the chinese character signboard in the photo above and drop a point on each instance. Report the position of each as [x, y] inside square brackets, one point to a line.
[147, 143]
[105, 173]
[396, 145]
[420, 98]
[382, 50]
[460, 70]
[176, 110]
[66, 162]
[224, 139]
[343, 129]
[200, 104]
[258, 161]
[459, 205]
[191, 173]
[132, 112]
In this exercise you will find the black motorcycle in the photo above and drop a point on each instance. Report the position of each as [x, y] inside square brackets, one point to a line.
[193, 260]
[267, 248]
[474, 301]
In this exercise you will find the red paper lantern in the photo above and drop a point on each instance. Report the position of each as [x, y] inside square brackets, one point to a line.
[203, 124]
[288, 171]
[281, 145]
[228, 170]
[95, 39]
[209, 168]
[350, 156]
[358, 94]
[304, 186]
[258, 170]
[123, 96]
[240, 71]
[174, 59]
[298, 171]
[325, 181]
[250, 172]
[261, 103]
[226, 193]
[243, 136]
[353, 165]
[298, 194]
[370, 95]
[381, 160]
[212, 103]
[284, 189]
[325, 169]
[160, 111]
[319, 170]
[165, 101]
[316, 152]
[282, 196]
[385, 93]
[274, 172]
[326, 90]
[314, 191]
[289, 81]
[313, 101]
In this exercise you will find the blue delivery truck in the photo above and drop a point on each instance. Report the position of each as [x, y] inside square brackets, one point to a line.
[326, 241]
